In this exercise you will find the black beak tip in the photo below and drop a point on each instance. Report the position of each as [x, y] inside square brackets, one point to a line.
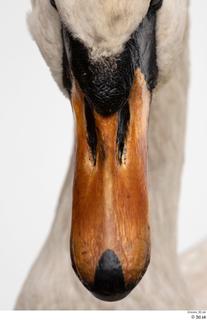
[109, 282]
[110, 297]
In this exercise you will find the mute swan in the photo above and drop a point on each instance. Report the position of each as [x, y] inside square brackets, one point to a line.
[168, 74]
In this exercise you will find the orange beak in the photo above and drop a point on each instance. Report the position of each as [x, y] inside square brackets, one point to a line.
[110, 235]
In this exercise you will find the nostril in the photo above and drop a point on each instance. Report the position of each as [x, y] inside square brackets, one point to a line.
[109, 282]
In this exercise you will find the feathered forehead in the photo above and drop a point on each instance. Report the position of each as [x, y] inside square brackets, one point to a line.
[102, 25]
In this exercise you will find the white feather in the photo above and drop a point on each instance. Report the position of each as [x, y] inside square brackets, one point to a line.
[104, 26]
[51, 283]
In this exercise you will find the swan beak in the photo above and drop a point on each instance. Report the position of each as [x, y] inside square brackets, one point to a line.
[110, 234]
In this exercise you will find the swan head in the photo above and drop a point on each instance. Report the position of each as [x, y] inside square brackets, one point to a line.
[109, 57]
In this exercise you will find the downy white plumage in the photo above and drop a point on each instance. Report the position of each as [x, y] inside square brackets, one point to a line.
[105, 26]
